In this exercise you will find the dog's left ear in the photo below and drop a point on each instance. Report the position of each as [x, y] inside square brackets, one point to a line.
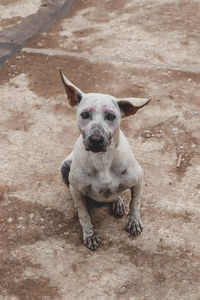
[129, 106]
[74, 94]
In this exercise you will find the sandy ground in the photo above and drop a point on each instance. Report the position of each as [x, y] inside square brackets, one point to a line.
[143, 48]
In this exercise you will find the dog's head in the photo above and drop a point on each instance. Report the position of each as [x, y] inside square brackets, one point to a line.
[99, 115]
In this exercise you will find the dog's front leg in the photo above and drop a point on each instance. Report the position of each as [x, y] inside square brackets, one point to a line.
[89, 237]
[135, 225]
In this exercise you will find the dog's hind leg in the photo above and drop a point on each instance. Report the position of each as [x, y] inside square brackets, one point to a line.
[117, 208]
[65, 169]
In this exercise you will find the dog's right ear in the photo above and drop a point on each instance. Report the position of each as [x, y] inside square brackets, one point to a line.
[74, 95]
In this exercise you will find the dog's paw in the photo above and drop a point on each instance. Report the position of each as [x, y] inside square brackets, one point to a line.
[117, 208]
[134, 227]
[92, 242]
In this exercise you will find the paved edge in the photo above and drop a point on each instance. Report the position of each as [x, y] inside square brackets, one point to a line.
[14, 38]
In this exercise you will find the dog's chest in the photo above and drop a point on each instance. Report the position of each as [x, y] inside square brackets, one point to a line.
[105, 185]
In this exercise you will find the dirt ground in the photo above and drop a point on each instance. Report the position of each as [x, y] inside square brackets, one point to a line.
[142, 48]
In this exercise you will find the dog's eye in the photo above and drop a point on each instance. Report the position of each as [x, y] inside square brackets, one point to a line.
[110, 117]
[85, 115]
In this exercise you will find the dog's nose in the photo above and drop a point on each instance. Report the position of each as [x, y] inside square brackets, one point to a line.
[96, 139]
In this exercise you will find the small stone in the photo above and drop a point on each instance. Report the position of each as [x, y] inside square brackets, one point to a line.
[10, 220]
[31, 216]
[192, 113]
[180, 147]
[21, 227]
[175, 130]
[122, 290]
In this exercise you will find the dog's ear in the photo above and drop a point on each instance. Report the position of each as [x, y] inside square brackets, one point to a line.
[74, 94]
[129, 106]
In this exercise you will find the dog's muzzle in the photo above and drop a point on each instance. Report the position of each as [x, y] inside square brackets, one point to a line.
[96, 142]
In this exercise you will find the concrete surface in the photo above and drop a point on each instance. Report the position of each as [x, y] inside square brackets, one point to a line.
[125, 48]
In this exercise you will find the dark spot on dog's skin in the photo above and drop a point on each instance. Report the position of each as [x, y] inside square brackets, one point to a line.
[121, 188]
[124, 172]
[87, 189]
[105, 191]
[65, 169]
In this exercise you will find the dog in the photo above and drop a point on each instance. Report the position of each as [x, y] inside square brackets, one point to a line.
[102, 165]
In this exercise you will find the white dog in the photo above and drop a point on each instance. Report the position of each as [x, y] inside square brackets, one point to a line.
[102, 164]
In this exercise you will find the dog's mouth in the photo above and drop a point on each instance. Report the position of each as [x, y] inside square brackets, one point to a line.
[95, 148]
[99, 145]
